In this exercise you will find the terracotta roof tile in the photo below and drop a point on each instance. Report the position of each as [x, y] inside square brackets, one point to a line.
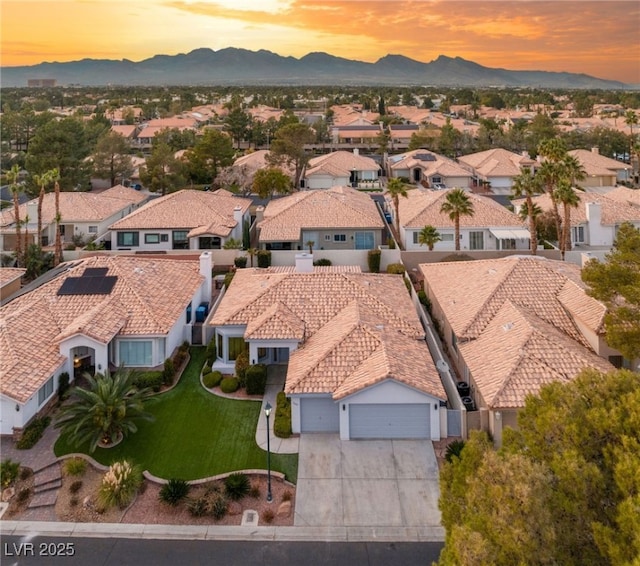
[340, 163]
[8, 274]
[276, 323]
[625, 195]
[496, 162]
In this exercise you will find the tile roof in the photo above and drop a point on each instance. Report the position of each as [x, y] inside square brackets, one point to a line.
[496, 162]
[150, 294]
[201, 211]
[422, 208]
[276, 323]
[440, 165]
[625, 195]
[340, 163]
[124, 131]
[596, 164]
[338, 207]
[8, 274]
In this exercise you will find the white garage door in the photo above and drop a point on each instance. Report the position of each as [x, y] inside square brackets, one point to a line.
[319, 415]
[389, 421]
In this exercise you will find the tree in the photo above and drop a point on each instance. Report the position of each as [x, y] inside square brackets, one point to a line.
[211, 152]
[270, 181]
[109, 407]
[111, 160]
[456, 204]
[289, 146]
[12, 176]
[396, 189]
[162, 171]
[449, 139]
[237, 124]
[565, 194]
[616, 282]
[429, 236]
[527, 185]
[57, 254]
[42, 181]
[631, 119]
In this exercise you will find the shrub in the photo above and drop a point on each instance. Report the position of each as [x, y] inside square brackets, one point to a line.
[184, 347]
[392, 244]
[218, 507]
[373, 259]
[237, 486]
[242, 363]
[282, 420]
[206, 369]
[119, 485]
[229, 385]
[396, 268]
[179, 358]
[212, 379]
[174, 491]
[322, 261]
[73, 502]
[424, 300]
[63, 385]
[8, 472]
[211, 351]
[268, 516]
[25, 473]
[264, 258]
[286, 496]
[76, 486]
[454, 450]
[198, 507]
[256, 379]
[228, 278]
[240, 261]
[33, 432]
[255, 491]
[169, 372]
[149, 379]
[23, 495]
[75, 466]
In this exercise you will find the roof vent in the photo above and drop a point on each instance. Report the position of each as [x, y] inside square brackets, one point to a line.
[507, 327]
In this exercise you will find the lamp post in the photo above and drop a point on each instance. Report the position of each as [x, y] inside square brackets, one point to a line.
[267, 412]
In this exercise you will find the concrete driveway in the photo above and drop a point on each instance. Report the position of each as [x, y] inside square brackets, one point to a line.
[366, 483]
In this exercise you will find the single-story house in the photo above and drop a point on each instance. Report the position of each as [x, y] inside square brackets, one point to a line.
[83, 214]
[496, 168]
[94, 314]
[340, 218]
[184, 220]
[341, 169]
[601, 171]
[245, 167]
[428, 168]
[492, 226]
[360, 135]
[10, 281]
[513, 325]
[358, 364]
[625, 195]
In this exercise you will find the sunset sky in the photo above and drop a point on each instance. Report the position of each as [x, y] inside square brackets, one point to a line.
[599, 38]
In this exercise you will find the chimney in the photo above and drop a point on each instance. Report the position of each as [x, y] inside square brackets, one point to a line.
[595, 150]
[32, 212]
[206, 267]
[304, 263]
[238, 217]
[259, 214]
[356, 151]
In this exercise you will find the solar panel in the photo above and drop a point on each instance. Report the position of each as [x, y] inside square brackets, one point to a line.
[95, 272]
[88, 285]
[425, 157]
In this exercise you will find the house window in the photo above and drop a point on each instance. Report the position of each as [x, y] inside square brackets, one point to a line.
[454, 341]
[209, 243]
[327, 237]
[262, 353]
[45, 391]
[220, 352]
[128, 239]
[152, 238]
[436, 179]
[93, 229]
[136, 352]
[236, 347]
[476, 240]
[416, 237]
[180, 240]
[446, 237]
[364, 240]
[508, 244]
[164, 237]
[339, 237]
[577, 234]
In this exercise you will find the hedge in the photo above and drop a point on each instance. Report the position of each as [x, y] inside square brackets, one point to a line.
[264, 258]
[151, 379]
[373, 259]
[256, 379]
[212, 379]
[229, 384]
[282, 422]
[33, 432]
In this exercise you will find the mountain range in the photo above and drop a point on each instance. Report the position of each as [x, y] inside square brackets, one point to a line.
[232, 66]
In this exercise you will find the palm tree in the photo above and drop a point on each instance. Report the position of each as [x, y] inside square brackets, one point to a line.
[549, 175]
[252, 252]
[456, 204]
[12, 178]
[568, 197]
[42, 181]
[397, 189]
[57, 254]
[310, 244]
[527, 185]
[429, 236]
[572, 169]
[630, 119]
[108, 409]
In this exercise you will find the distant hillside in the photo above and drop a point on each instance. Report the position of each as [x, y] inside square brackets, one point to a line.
[240, 66]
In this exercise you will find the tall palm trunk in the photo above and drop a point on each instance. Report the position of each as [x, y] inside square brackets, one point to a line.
[457, 231]
[26, 238]
[57, 256]
[16, 214]
[533, 232]
[556, 215]
[40, 201]
[566, 229]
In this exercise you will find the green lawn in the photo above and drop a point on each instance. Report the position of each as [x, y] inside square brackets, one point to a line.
[195, 434]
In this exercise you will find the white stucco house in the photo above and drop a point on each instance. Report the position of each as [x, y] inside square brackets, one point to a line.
[94, 314]
[341, 169]
[496, 168]
[429, 169]
[358, 364]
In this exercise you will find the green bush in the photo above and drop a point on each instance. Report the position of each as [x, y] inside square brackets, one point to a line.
[8, 472]
[237, 486]
[373, 259]
[256, 379]
[63, 385]
[218, 507]
[198, 507]
[23, 495]
[322, 261]
[424, 300]
[206, 369]
[149, 379]
[211, 351]
[174, 491]
[264, 258]
[242, 364]
[120, 484]
[282, 419]
[396, 268]
[33, 432]
[454, 450]
[229, 385]
[240, 261]
[75, 466]
[228, 278]
[212, 379]
[169, 372]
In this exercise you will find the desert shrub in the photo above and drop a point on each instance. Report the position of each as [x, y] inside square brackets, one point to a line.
[264, 258]
[211, 351]
[75, 466]
[396, 268]
[373, 260]
[174, 491]
[73, 502]
[198, 506]
[23, 495]
[212, 379]
[242, 363]
[287, 495]
[75, 486]
[240, 261]
[33, 432]
[229, 385]
[268, 516]
[237, 486]
[282, 420]
[119, 485]
[63, 385]
[8, 472]
[168, 372]
[206, 369]
[322, 261]
[25, 473]
[256, 379]
[180, 357]
[149, 379]
[255, 491]
[454, 450]
[218, 507]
